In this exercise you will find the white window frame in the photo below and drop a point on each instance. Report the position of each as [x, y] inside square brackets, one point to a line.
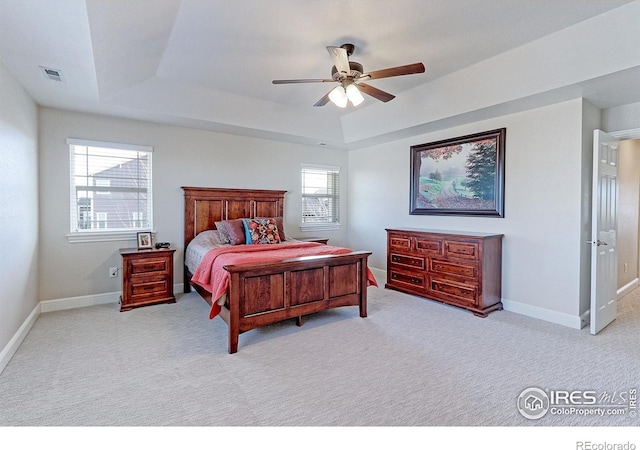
[99, 234]
[312, 226]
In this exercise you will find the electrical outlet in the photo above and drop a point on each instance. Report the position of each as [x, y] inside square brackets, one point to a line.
[625, 267]
[113, 272]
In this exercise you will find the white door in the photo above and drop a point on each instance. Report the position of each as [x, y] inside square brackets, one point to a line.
[604, 257]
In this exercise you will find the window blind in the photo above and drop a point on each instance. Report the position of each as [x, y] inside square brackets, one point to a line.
[110, 187]
[320, 195]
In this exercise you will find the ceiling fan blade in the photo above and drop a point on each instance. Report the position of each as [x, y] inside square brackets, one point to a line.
[340, 59]
[303, 80]
[323, 101]
[375, 92]
[394, 71]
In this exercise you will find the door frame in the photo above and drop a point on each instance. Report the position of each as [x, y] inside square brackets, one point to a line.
[620, 135]
[626, 135]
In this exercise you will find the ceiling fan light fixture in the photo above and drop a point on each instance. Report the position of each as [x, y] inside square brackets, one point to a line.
[339, 97]
[353, 94]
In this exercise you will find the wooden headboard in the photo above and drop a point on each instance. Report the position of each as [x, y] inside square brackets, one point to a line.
[204, 206]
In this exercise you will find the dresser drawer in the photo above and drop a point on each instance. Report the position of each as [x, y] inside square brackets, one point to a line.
[412, 279]
[399, 242]
[410, 261]
[430, 246]
[461, 293]
[460, 269]
[466, 250]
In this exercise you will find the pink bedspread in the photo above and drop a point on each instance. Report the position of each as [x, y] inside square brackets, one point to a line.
[211, 275]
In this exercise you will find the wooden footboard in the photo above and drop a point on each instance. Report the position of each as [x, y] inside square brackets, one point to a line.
[262, 294]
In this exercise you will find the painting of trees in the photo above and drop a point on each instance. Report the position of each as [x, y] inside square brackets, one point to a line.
[459, 176]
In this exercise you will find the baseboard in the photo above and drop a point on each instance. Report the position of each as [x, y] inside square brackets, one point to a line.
[87, 300]
[624, 290]
[543, 314]
[79, 302]
[13, 345]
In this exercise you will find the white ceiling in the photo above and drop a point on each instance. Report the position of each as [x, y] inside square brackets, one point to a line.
[209, 64]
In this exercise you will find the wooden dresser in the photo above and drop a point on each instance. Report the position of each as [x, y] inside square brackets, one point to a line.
[147, 277]
[458, 268]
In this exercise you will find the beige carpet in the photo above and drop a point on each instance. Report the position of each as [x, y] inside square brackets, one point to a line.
[412, 362]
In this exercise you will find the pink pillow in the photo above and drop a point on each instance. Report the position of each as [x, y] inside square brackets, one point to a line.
[232, 231]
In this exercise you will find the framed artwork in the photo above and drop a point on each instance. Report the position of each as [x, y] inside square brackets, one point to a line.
[463, 176]
[144, 240]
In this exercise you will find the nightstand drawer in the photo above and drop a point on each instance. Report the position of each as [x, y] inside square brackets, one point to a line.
[149, 288]
[148, 266]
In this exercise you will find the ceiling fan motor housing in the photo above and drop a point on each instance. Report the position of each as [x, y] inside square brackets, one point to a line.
[356, 71]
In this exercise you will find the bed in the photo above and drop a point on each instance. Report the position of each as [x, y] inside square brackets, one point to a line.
[247, 290]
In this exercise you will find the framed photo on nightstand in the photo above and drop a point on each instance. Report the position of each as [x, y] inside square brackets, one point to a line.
[144, 240]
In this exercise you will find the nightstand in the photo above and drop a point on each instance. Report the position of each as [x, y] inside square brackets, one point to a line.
[319, 240]
[147, 277]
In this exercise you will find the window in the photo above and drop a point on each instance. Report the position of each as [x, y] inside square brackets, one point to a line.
[111, 195]
[320, 197]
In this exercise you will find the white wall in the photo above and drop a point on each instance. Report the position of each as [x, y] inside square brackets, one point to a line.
[18, 206]
[621, 118]
[543, 202]
[182, 157]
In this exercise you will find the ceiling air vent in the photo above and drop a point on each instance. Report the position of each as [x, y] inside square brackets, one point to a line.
[52, 74]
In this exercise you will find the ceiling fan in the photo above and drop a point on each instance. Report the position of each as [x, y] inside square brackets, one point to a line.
[350, 75]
